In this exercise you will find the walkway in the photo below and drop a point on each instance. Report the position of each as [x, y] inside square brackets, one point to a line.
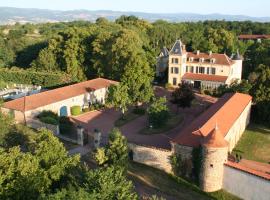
[82, 150]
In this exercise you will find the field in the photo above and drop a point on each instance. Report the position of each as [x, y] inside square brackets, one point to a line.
[254, 144]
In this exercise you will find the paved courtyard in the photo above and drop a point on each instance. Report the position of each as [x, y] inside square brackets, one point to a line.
[104, 121]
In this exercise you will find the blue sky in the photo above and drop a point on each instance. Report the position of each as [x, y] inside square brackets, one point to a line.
[257, 8]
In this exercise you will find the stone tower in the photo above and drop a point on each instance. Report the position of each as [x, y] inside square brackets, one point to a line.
[214, 155]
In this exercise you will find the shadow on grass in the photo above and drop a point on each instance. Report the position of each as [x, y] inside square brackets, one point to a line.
[259, 128]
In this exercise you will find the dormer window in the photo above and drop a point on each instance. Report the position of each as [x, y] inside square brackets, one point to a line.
[201, 59]
[212, 60]
[190, 59]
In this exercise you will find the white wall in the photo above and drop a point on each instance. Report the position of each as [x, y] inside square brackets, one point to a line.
[245, 185]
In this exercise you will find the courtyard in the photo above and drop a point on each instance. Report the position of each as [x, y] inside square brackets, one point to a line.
[104, 121]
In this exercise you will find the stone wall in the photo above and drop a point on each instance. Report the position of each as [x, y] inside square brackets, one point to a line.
[154, 157]
[36, 124]
[245, 185]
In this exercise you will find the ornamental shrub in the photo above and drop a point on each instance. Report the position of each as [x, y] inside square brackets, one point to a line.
[75, 110]
[48, 117]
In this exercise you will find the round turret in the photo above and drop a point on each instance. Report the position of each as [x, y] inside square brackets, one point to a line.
[214, 155]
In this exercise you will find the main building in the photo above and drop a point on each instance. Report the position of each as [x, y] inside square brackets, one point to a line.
[202, 70]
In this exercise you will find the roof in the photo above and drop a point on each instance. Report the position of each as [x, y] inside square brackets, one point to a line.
[241, 167]
[164, 52]
[177, 48]
[254, 37]
[204, 77]
[51, 96]
[220, 59]
[214, 139]
[224, 112]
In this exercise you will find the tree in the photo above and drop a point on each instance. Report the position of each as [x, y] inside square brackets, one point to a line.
[158, 113]
[118, 97]
[183, 95]
[116, 151]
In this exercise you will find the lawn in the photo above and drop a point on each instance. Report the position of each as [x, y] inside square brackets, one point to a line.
[170, 186]
[173, 121]
[130, 116]
[254, 144]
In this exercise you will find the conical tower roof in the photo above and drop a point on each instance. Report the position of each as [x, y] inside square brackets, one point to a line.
[215, 139]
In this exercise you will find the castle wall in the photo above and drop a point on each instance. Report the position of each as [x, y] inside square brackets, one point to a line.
[184, 151]
[154, 157]
[212, 168]
[245, 185]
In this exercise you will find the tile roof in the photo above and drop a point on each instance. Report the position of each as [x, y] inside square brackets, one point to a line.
[254, 36]
[220, 59]
[246, 169]
[214, 139]
[51, 96]
[224, 112]
[204, 77]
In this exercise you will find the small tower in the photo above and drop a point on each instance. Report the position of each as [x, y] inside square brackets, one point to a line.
[214, 155]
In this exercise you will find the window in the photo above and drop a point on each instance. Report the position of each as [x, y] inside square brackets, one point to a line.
[208, 70]
[197, 70]
[171, 70]
[190, 59]
[192, 69]
[211, 165]
[174, 81]
[176, 71]
[186, 68]
[201, 59]
[184, 60]
[175, 60]
[213, 70]
[212, 60]
[201, 70]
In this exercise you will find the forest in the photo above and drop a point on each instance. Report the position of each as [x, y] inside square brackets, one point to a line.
[54, 54]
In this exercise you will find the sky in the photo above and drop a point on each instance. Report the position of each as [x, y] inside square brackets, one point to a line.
[255, 8]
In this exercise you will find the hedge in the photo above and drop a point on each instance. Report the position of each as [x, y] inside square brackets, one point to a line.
[75, 110]
[44, 79]
[48, 117]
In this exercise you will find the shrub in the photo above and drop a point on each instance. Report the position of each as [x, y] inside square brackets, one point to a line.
[168, 86]
[86, 109]
[139, 111]
[75, 110]
[66, 126]
[49, 120]
[48, 117]
[158, 113]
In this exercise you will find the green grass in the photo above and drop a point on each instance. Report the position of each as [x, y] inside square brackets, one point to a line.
[127, 118]
[173, 121]
[254, 144]
[171, 185]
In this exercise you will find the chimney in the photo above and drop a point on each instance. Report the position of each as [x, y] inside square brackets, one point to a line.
[210, 53]
[198, 52]
[184, 47]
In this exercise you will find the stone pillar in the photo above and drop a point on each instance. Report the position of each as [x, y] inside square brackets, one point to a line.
[80, 135]
[97, 138]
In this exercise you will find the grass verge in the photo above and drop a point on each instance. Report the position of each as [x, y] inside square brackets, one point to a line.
[128, 118]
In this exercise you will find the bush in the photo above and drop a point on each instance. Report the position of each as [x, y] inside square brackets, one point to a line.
[86, 109]
[158, 113]
[49, 120]
[139, 111]
[168, 86]
[75, 110]
[45, 79]
[66, 126]
[48, 117]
